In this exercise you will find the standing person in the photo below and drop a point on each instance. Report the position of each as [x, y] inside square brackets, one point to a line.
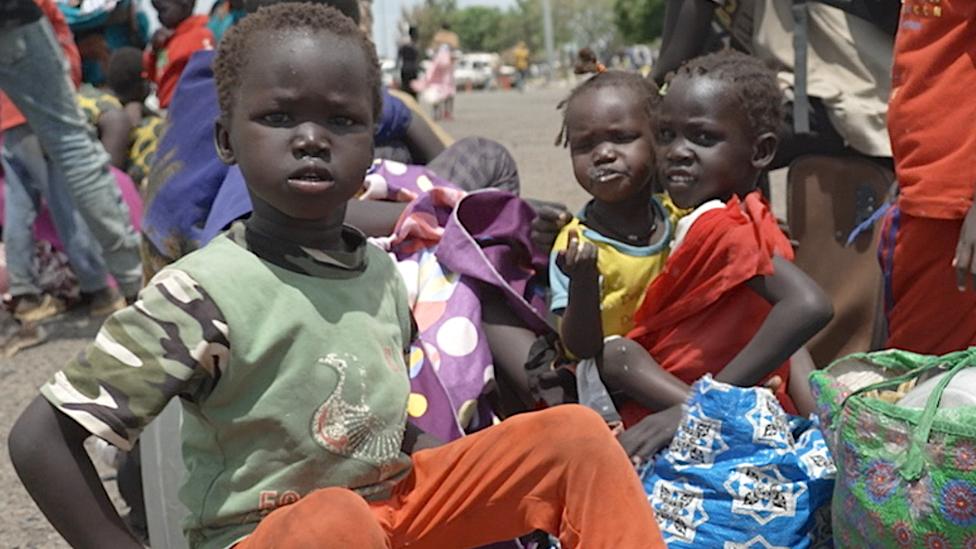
[33, 74]
[521, 54]
[928, 251]
[440, 84]
[182, 33]
[408, 59]
[343, 467]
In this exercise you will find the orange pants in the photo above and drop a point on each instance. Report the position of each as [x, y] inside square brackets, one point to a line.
[926, 313]
[558, 470]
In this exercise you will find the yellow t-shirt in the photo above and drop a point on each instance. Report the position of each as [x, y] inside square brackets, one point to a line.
[625, 270]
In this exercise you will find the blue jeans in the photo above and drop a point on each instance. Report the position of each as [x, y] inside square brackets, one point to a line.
[29, 178]
[33, 73]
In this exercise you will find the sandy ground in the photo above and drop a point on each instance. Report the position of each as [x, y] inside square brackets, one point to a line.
[527, 123]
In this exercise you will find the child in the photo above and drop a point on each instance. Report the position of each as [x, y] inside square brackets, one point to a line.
[603, 260]
[729, 302]
[126, 80]
[171, 46]
[283, 339]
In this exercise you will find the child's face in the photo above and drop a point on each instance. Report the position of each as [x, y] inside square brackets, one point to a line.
[610, 143]
[302, 124]
[172, 12]
[705, 144]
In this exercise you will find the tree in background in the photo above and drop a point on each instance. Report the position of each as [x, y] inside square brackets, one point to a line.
[639, 21]
[576, 23]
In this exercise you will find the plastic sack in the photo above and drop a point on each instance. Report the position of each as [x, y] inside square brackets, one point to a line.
[741, 473]
[906, 475]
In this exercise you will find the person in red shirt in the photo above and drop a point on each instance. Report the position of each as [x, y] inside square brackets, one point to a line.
[928, 251]
[171, 46]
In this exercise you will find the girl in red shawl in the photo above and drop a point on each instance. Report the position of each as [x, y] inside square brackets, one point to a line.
[729, 301]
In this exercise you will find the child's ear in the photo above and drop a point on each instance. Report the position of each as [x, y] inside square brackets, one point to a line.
[222, 142]
[764, 150]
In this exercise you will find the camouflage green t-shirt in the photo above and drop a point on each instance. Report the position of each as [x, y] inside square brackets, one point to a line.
[289, 365]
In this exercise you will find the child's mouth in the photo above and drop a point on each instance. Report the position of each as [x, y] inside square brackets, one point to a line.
[311, 181]
[603, 176]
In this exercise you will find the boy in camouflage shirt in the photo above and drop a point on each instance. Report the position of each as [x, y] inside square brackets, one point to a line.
[284, 341]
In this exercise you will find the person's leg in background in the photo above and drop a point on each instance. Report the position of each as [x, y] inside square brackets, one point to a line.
[83, 251]
[926, 312]
[23, 164]
[33, 74]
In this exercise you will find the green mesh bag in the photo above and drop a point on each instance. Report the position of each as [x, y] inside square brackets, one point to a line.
[906, 477]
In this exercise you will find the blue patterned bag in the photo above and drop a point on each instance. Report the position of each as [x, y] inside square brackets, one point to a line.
[741, 473]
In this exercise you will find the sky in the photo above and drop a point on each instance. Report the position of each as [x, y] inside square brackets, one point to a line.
[386, 15]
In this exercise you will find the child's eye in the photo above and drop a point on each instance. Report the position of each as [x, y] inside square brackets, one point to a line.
[705, 138]
[342, 121]
[276, 119]
[625, 137]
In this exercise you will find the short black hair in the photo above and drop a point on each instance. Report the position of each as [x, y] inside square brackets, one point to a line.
[587, 62]
[752, 81]
[234, 47]
[349, 8]
[125, 74]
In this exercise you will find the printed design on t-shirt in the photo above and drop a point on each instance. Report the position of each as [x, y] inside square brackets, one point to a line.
[349, 427]
[769, 425]
[757, 542]
[679, 510]
[698, 440]
[762, 492]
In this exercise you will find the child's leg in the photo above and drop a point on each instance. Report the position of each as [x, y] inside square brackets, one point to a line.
[801, 366]
[625, 366]
[330, 517]
[23, 160]
[559, 470]
[509, 341]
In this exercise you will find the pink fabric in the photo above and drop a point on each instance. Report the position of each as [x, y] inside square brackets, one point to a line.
[438, 84]
[44, 227]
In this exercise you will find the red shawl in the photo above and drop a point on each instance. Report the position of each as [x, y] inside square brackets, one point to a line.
[698, 314]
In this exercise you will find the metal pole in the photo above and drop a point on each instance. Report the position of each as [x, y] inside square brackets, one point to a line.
[548, 38]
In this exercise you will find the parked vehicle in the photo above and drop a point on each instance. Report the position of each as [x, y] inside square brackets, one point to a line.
[476, 70]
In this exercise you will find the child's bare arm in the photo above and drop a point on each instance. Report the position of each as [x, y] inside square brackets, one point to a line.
[47, 451]
[800, 310]
[581, 329]
[626, 366]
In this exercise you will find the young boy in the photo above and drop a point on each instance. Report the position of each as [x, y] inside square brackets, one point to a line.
[171, 46]
[284, 340]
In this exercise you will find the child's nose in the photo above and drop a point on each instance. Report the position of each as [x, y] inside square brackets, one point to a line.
[309, 141]
[604, 153]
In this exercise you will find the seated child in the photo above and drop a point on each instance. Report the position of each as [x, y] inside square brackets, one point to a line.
[126, 79]
[284, 339]
[729, 301]
[604, 258]
[182, 33]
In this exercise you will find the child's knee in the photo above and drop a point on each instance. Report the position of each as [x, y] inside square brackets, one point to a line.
[619, 356]
[575, 426]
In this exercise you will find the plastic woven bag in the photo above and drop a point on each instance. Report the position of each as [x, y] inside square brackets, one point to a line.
[741, 473]
[906, 476]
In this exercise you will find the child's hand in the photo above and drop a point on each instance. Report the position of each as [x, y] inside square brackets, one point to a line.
[160, 37]
[578, 259]
[549, 220]
[965, 261]
[651, 434]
